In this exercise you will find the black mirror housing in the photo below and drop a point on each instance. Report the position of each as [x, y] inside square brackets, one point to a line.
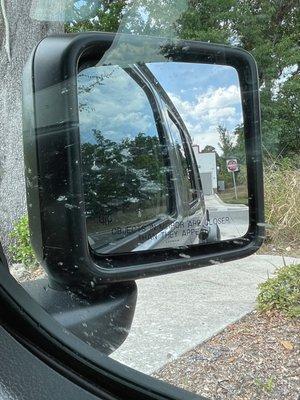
[53, 169]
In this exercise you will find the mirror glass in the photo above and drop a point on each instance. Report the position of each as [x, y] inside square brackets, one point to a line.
[163, 156]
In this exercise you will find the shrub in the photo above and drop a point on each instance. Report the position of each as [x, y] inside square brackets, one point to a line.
[282, 202]
[281, 292]
[20, 249]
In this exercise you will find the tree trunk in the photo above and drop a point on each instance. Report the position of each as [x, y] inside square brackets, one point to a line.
[19, 34]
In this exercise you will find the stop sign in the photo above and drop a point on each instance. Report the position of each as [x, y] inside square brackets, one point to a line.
[232, 165]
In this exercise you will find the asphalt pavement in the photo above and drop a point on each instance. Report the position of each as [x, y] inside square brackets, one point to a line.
[176, 312]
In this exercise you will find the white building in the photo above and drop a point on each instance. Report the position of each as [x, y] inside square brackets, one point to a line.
[207, 165]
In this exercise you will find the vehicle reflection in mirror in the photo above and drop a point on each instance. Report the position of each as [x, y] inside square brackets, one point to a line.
[154, 151]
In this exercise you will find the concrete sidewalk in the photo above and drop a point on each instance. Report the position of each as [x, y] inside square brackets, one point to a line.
[232, 219]
[179, 311]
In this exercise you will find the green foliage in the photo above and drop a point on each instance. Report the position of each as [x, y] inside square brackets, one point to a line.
[231, 148]
[207, 20]
[116, 173]
[107, 18]
[267, 386]
[282, 292]
[20, 249]
[226, 142]
[268, 29]
[141, 17]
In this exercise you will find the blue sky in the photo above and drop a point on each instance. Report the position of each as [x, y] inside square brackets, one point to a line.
[118, 106]
[204, 95]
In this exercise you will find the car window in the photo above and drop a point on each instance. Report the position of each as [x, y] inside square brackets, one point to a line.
[124, 169]
[157, 183]
[185, 157]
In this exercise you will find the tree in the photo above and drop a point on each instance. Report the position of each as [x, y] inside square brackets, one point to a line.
[269, 30]
[239, 146]
[106, 18]
[288, 114]
[226, 142]
[209, 149]
[19, 34]
[144, 17]
[122, 175]
[266, 28]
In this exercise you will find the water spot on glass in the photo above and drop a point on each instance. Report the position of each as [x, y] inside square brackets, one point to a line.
[184, 255]
[265, 225]
[241, 241]
[71, 206]
[95, 167]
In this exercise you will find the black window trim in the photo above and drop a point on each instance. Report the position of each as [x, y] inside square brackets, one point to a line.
[187, 151]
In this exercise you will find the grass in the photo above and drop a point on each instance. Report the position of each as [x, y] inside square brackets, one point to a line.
[267, 386]
[228, 195]
[282, 204]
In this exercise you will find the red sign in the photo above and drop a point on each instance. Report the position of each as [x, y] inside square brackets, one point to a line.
[232, 165]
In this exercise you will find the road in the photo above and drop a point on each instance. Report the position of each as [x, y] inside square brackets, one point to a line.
[176, 312]
[232, 219]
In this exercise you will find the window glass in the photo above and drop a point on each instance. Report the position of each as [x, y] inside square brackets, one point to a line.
[197, 329]
[184, 157]
[124, 174]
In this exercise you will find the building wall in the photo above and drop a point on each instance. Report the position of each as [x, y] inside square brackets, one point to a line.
[207, 164]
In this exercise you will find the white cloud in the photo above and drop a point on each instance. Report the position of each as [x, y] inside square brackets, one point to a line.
[211, 101]
[117, 105]
[217, 106]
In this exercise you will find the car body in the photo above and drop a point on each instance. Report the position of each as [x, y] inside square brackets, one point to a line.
[185, 222]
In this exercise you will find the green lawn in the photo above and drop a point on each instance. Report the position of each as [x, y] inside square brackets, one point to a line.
[228, 195]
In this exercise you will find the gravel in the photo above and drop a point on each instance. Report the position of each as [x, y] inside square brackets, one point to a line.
[256, 358]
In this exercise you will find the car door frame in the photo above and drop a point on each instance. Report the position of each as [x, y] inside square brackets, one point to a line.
[30, 325]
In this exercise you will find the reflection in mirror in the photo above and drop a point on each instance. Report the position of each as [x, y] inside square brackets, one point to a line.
[163, 155]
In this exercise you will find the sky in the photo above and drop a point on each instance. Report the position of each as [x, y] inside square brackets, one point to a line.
[204, 95]
[117, 106]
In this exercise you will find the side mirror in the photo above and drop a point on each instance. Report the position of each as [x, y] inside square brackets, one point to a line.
[124, 172]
